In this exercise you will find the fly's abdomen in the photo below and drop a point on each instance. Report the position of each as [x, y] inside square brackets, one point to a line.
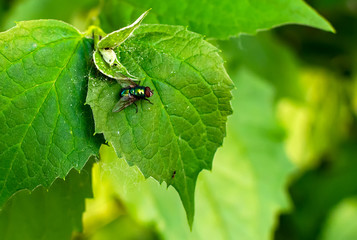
[125, 92]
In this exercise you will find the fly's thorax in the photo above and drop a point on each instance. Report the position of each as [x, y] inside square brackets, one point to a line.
[139, 92]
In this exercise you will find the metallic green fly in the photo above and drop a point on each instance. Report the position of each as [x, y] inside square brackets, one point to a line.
[129, 95]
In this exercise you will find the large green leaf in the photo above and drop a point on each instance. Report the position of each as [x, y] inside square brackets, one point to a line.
[243, 194]
[45, 128]
[181, 131]
[52, 214]
[214, 18]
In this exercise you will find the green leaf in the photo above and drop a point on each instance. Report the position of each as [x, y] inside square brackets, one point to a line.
[105, 58]
[52, 214]
[215, 18]
[114, 39]
[45, 128]
[243, 194]
[117, 71]
[185, 125]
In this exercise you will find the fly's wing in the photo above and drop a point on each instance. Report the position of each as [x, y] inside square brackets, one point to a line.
[121, 69]
[124, 102]
[127, 82]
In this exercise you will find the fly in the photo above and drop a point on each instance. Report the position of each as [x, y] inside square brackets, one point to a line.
[129, 95]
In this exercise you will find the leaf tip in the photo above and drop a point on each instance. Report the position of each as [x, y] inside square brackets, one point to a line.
[190, 222]
[332, 29]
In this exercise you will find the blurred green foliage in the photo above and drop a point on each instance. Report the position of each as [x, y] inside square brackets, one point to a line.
[318, 191]
[124, 228]
[266, 56]
[336, 52]
[53, 214]
[75, 12]
[341, 224]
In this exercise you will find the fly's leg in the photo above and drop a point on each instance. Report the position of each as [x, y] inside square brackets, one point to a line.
[136, 107]
[148, 101]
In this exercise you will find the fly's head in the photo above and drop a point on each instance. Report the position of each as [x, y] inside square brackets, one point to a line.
[148, 92]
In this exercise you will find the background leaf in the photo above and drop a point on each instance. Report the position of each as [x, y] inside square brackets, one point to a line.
[74, 12]
[341, 223]
[52, 214]
[269, 58]
[182, 130]
[4, 6]
[124, 228]
[215, 18]
[318, 124]
[316, 192]
[46, 129]
[106, 214]
[326, 142]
